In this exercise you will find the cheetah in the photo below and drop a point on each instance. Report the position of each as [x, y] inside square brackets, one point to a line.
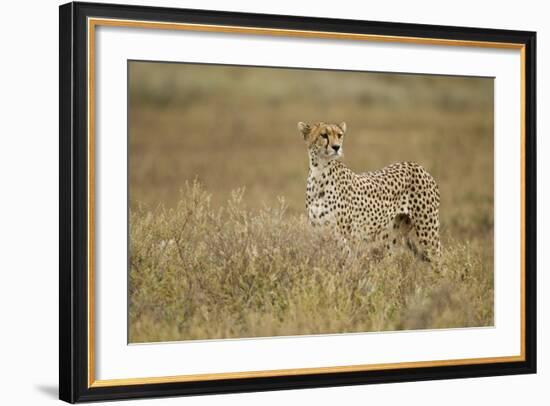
[397, 205]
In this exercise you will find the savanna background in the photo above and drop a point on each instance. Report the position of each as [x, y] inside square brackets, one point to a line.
[219, 242]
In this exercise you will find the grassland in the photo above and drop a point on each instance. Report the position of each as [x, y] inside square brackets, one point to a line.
[219, 245]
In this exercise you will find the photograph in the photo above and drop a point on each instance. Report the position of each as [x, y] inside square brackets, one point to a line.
[255, 202]
[274, 201]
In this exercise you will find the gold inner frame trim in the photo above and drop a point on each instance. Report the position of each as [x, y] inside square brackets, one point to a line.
[298, 371]
[94, 22]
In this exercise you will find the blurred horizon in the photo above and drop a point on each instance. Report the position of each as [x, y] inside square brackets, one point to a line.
[232, 126]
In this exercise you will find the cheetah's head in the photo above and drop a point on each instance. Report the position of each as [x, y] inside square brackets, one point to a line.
[326, 140]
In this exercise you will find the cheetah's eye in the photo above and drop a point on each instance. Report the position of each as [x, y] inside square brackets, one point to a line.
[324, 136]
[340, 135]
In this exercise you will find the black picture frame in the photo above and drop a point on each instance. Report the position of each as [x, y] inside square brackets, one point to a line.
[73, 255]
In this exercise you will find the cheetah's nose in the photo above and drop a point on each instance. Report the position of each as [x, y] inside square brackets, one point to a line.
[336, 148]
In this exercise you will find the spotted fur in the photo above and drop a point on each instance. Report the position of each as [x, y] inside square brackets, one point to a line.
[397, 205]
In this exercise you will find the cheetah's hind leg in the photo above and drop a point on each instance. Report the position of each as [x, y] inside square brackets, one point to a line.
[393, 239]
[427, 246]
[399, 234]
[404, 235]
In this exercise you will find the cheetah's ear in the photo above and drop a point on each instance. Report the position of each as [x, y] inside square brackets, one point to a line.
[304, 128]
[343, 126]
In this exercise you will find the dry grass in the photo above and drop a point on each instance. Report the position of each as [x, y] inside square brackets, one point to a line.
[198, 272]
[209, 262]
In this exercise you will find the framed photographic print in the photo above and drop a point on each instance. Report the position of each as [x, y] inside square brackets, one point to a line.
[258, 202]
